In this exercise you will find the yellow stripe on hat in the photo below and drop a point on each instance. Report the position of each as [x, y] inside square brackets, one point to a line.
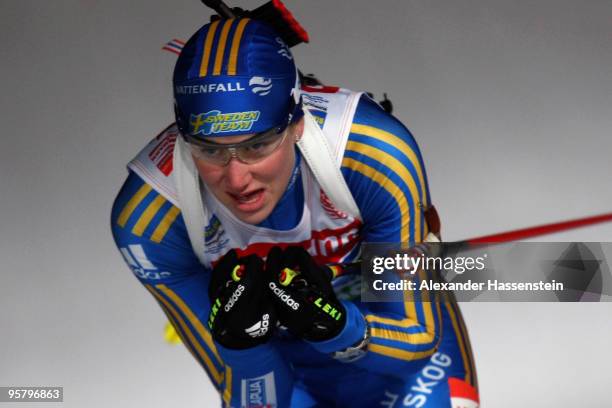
[131, 205]
[165, 224]
[221, 47]
[233, 57]
[207, 48]
[148, 214]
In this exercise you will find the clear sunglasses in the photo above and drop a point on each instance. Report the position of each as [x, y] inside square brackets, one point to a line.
[249, 151]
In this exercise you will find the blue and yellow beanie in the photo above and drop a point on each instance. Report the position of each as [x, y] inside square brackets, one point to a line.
[233, 77]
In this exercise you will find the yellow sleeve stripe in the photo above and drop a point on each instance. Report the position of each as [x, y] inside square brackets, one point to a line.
[398, 168]
[410, 320]
[131, 205]
[233, 57]
[399, 144]
[453, 317]
[410, 307]
[427, 305]
[148, 214]
[177, 332]
[195, 322]
[165, 224]
[410, 338]
[404, 323]
[388, 185]
[214, 373]
[474, 378]
[227, 393]
[221, 47]
[185, 342]
[398, 194]
[400, 354]
[210, 35]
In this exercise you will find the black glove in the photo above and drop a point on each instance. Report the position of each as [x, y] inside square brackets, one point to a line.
[242, 313]
[305, 300]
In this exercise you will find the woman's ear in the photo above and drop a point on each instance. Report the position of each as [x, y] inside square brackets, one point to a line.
[298, 129]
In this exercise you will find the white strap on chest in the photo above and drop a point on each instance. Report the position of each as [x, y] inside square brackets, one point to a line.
[187, 181]
[322, 162]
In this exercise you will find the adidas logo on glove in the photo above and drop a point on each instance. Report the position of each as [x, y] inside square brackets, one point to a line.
[260, 328]
[284, 296]
[235, 296]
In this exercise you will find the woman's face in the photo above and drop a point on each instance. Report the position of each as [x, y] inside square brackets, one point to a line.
[251, 191]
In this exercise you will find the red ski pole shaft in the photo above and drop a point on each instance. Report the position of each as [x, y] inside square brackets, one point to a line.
[499, 238]
[539, 230]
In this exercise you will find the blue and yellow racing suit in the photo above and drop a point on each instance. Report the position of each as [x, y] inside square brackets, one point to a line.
[419, 353]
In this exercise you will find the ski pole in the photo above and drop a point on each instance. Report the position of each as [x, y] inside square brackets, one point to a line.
[497, 238]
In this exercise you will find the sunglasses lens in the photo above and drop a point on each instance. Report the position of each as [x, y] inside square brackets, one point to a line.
[260, 148]
[250, 151]
[215, 155]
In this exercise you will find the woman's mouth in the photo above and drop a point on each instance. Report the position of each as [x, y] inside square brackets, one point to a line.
[248, 202]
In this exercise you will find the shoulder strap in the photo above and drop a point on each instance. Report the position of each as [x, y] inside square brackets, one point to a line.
[317, 153]
[187, 182]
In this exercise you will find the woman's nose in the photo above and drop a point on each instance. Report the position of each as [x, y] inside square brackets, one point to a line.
[237, 175]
